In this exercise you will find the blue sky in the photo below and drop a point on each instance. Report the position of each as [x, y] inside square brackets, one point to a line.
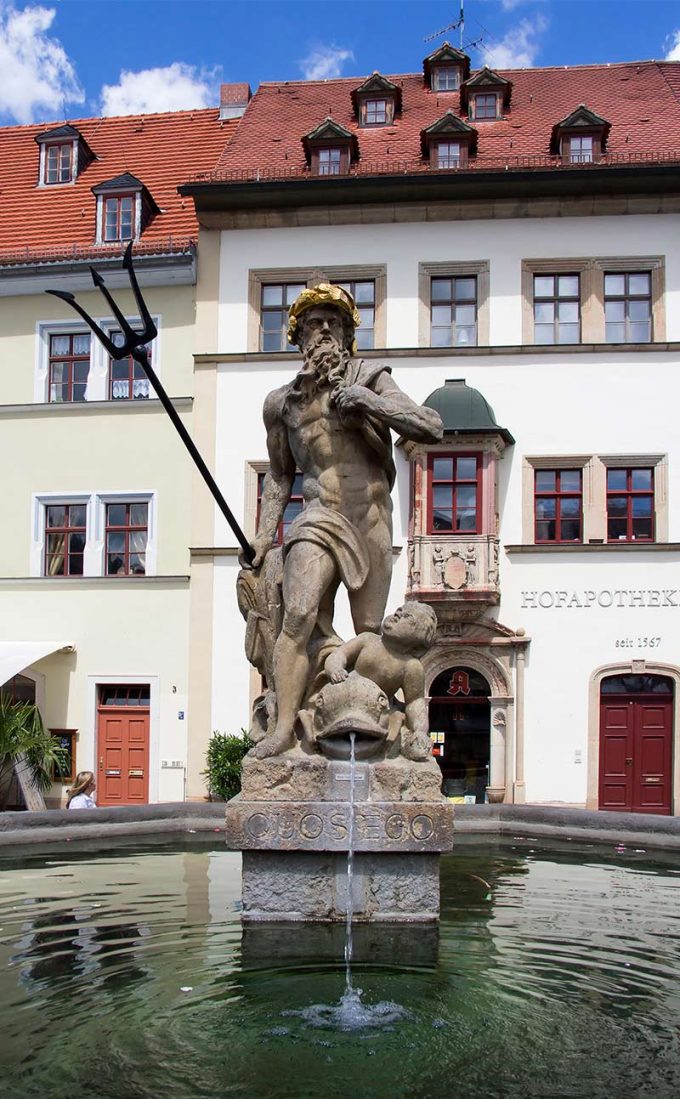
[72, 58]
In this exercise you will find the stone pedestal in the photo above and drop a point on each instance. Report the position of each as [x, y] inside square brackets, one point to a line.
[292, 822]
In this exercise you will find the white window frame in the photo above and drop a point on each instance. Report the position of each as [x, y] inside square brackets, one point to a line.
[40, 501]
[98, 377]
[95, 528]
[42, 168]
[125, 192]
[101, 357]
[101, 499]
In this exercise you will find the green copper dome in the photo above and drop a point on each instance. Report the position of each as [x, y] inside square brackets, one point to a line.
[464, 411]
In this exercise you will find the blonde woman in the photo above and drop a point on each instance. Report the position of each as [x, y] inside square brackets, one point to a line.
[80, 794]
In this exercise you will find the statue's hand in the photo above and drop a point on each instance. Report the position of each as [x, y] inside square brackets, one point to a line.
[261, 546]
[354, 398]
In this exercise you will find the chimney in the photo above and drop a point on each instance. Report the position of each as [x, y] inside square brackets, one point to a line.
[234, 100]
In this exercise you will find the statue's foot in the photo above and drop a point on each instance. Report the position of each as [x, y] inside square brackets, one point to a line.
[273, 745]
[418, 749]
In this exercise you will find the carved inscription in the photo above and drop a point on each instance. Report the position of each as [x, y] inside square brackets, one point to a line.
[325, 826]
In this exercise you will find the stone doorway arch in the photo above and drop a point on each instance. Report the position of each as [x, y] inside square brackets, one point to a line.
[502, 703]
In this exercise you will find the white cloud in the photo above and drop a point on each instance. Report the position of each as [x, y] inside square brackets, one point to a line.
[38, 79]
[518, 48]
[175, 87]
[672, 44]
[325, 62]
[510, 5]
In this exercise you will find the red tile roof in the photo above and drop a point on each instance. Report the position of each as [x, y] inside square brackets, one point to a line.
[640, 100]
[162, 150]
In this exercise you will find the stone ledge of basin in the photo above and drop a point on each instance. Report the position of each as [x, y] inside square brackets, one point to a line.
[45, 820]
[563, 817]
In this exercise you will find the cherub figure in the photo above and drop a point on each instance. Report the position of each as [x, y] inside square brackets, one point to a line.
[392, 660]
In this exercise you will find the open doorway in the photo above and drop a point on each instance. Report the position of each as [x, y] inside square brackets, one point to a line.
[460, 727]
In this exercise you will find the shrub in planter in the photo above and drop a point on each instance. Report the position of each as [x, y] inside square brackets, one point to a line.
[223, 764]
[23, 737]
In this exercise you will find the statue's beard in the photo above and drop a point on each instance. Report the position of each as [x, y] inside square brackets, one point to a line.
[325, 365]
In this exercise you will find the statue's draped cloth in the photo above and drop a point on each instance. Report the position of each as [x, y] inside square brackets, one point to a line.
[329, 529]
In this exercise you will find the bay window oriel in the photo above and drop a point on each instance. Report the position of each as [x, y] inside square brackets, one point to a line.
[454, 493]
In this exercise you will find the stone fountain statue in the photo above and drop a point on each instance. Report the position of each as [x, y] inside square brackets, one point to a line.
[323, 695]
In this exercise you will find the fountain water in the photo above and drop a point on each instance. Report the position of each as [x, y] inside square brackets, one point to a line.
[350, 867]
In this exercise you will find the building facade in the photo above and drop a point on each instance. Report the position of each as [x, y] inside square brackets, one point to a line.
[94, 565]
[507, 237]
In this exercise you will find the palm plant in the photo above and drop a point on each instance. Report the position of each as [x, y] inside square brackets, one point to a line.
[24, 738]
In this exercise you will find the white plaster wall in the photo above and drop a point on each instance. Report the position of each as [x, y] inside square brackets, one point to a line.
[401, 247]
[129, 633]
[613, 402]
[569, 643]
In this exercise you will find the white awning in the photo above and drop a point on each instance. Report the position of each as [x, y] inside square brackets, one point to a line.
[16, 656]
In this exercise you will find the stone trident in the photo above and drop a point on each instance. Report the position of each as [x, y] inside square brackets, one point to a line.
[134, 344]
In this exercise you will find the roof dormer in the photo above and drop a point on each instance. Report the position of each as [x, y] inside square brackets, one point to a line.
[125, 207]
[580, 138]
[330, 149]
[64, 154]
[377, 101]
[446, 69]
[486, 95]
[448, 142]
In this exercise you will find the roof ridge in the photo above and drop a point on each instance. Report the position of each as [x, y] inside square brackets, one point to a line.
[52, 123]
[518, 68]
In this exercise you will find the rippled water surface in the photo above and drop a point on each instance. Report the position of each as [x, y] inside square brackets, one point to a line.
[126, 973]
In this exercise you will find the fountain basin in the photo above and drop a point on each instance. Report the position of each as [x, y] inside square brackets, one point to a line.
[555, 972]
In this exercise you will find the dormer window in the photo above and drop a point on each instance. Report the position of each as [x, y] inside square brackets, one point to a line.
[59, 163]
[376, 101]
[446, 78]
[119, 218]
[448, 154]
[448, 142]
[446, 69]
[330, 149]
[375, 112]
[484, 105]
[331, 162]
[64, 153]
[486, 95]
[580, 138]
[581, 149]
[124, 209]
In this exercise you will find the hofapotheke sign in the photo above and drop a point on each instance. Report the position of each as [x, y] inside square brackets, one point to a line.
[618, 597]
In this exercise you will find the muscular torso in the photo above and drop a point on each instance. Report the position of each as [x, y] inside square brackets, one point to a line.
[340, 469]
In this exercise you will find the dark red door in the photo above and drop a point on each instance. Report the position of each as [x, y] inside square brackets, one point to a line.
[635, 754]
[123, 746]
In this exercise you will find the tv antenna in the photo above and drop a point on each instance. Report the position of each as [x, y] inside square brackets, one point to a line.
[460, 22]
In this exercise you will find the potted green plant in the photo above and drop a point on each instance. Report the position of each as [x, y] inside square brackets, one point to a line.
[224, 759]
[25, 740]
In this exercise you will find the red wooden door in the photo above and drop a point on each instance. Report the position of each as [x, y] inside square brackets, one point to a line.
[123, 746]
[635, 754]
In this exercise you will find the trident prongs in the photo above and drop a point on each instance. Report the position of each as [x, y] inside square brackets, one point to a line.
[147, 320]
[135, 344]
[132, 338]
[101, 335]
